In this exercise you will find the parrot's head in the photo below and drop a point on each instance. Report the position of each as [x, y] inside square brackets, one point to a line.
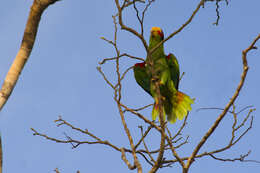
[157, 34]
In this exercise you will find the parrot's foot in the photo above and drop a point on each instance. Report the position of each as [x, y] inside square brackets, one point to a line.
[154, 79]
[163, 98]
[162, 82]
[157, 100]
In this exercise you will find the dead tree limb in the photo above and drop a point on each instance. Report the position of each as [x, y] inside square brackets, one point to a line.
[25, 50]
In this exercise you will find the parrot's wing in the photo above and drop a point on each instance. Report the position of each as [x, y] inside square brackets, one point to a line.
[174, 69]
[141, 76]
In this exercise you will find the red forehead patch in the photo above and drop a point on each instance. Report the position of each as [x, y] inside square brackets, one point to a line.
[168, 56]
[161, 34]
[140, 64]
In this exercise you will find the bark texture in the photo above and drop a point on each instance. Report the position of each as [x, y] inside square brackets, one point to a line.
[25, 50]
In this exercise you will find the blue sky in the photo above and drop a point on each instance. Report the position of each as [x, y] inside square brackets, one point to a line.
[60, 78]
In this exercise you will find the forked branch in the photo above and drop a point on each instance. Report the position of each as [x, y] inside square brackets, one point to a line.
[229, 104]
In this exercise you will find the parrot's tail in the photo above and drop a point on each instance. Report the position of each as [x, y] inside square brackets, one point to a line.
[177, 107]
[181, 105]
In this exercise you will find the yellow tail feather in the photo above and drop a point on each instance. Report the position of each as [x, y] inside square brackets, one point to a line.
[180, 105]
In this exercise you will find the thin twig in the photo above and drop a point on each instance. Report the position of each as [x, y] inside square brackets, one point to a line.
[143, 136]
[217, 11]
[181, 128]
[124, 27]
[181, 28]
[122, 55]
[232, 100]
[215, 108]
[105, 78]
[117, 98]
[56, 170]
[145, 146]
[241, 158]
[131, 167]
[141, 108]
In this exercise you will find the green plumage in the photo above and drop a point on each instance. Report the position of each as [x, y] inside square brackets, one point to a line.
[141, 77]
[166, 69]
[174, 69]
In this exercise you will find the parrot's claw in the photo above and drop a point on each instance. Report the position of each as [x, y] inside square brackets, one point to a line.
[163, 98]
[162, 82]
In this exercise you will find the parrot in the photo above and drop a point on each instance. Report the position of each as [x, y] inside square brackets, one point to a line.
[175, 104]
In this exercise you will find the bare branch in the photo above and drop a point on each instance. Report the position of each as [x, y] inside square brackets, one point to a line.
[201, 3]
[232, 140]
[75, 143]
[117, 98]
[131, 167]
[1, 155]
[139, 109]
[145, 146]
[142, 117]
[232, 100]
[181, 128]
[175, 153]
[60, 122]
[241, 158]
[143, 135]
[141, 19]
[122, 55]
[123, 75]
[183, 73]
[214, 108]
[128, 3]
[124, 27]
[56, 170]
[181, 144]
[217, 9]
[25, 50]
[105, 78]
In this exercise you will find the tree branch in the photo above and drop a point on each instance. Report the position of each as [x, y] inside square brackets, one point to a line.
[24, 52]
[232, 100]
[201, 3]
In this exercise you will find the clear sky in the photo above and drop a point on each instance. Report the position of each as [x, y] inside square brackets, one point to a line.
[60, 78]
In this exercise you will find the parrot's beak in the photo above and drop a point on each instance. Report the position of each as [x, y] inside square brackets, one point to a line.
[153, 33]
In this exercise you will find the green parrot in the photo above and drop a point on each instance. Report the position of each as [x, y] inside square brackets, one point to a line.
[175, 103]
